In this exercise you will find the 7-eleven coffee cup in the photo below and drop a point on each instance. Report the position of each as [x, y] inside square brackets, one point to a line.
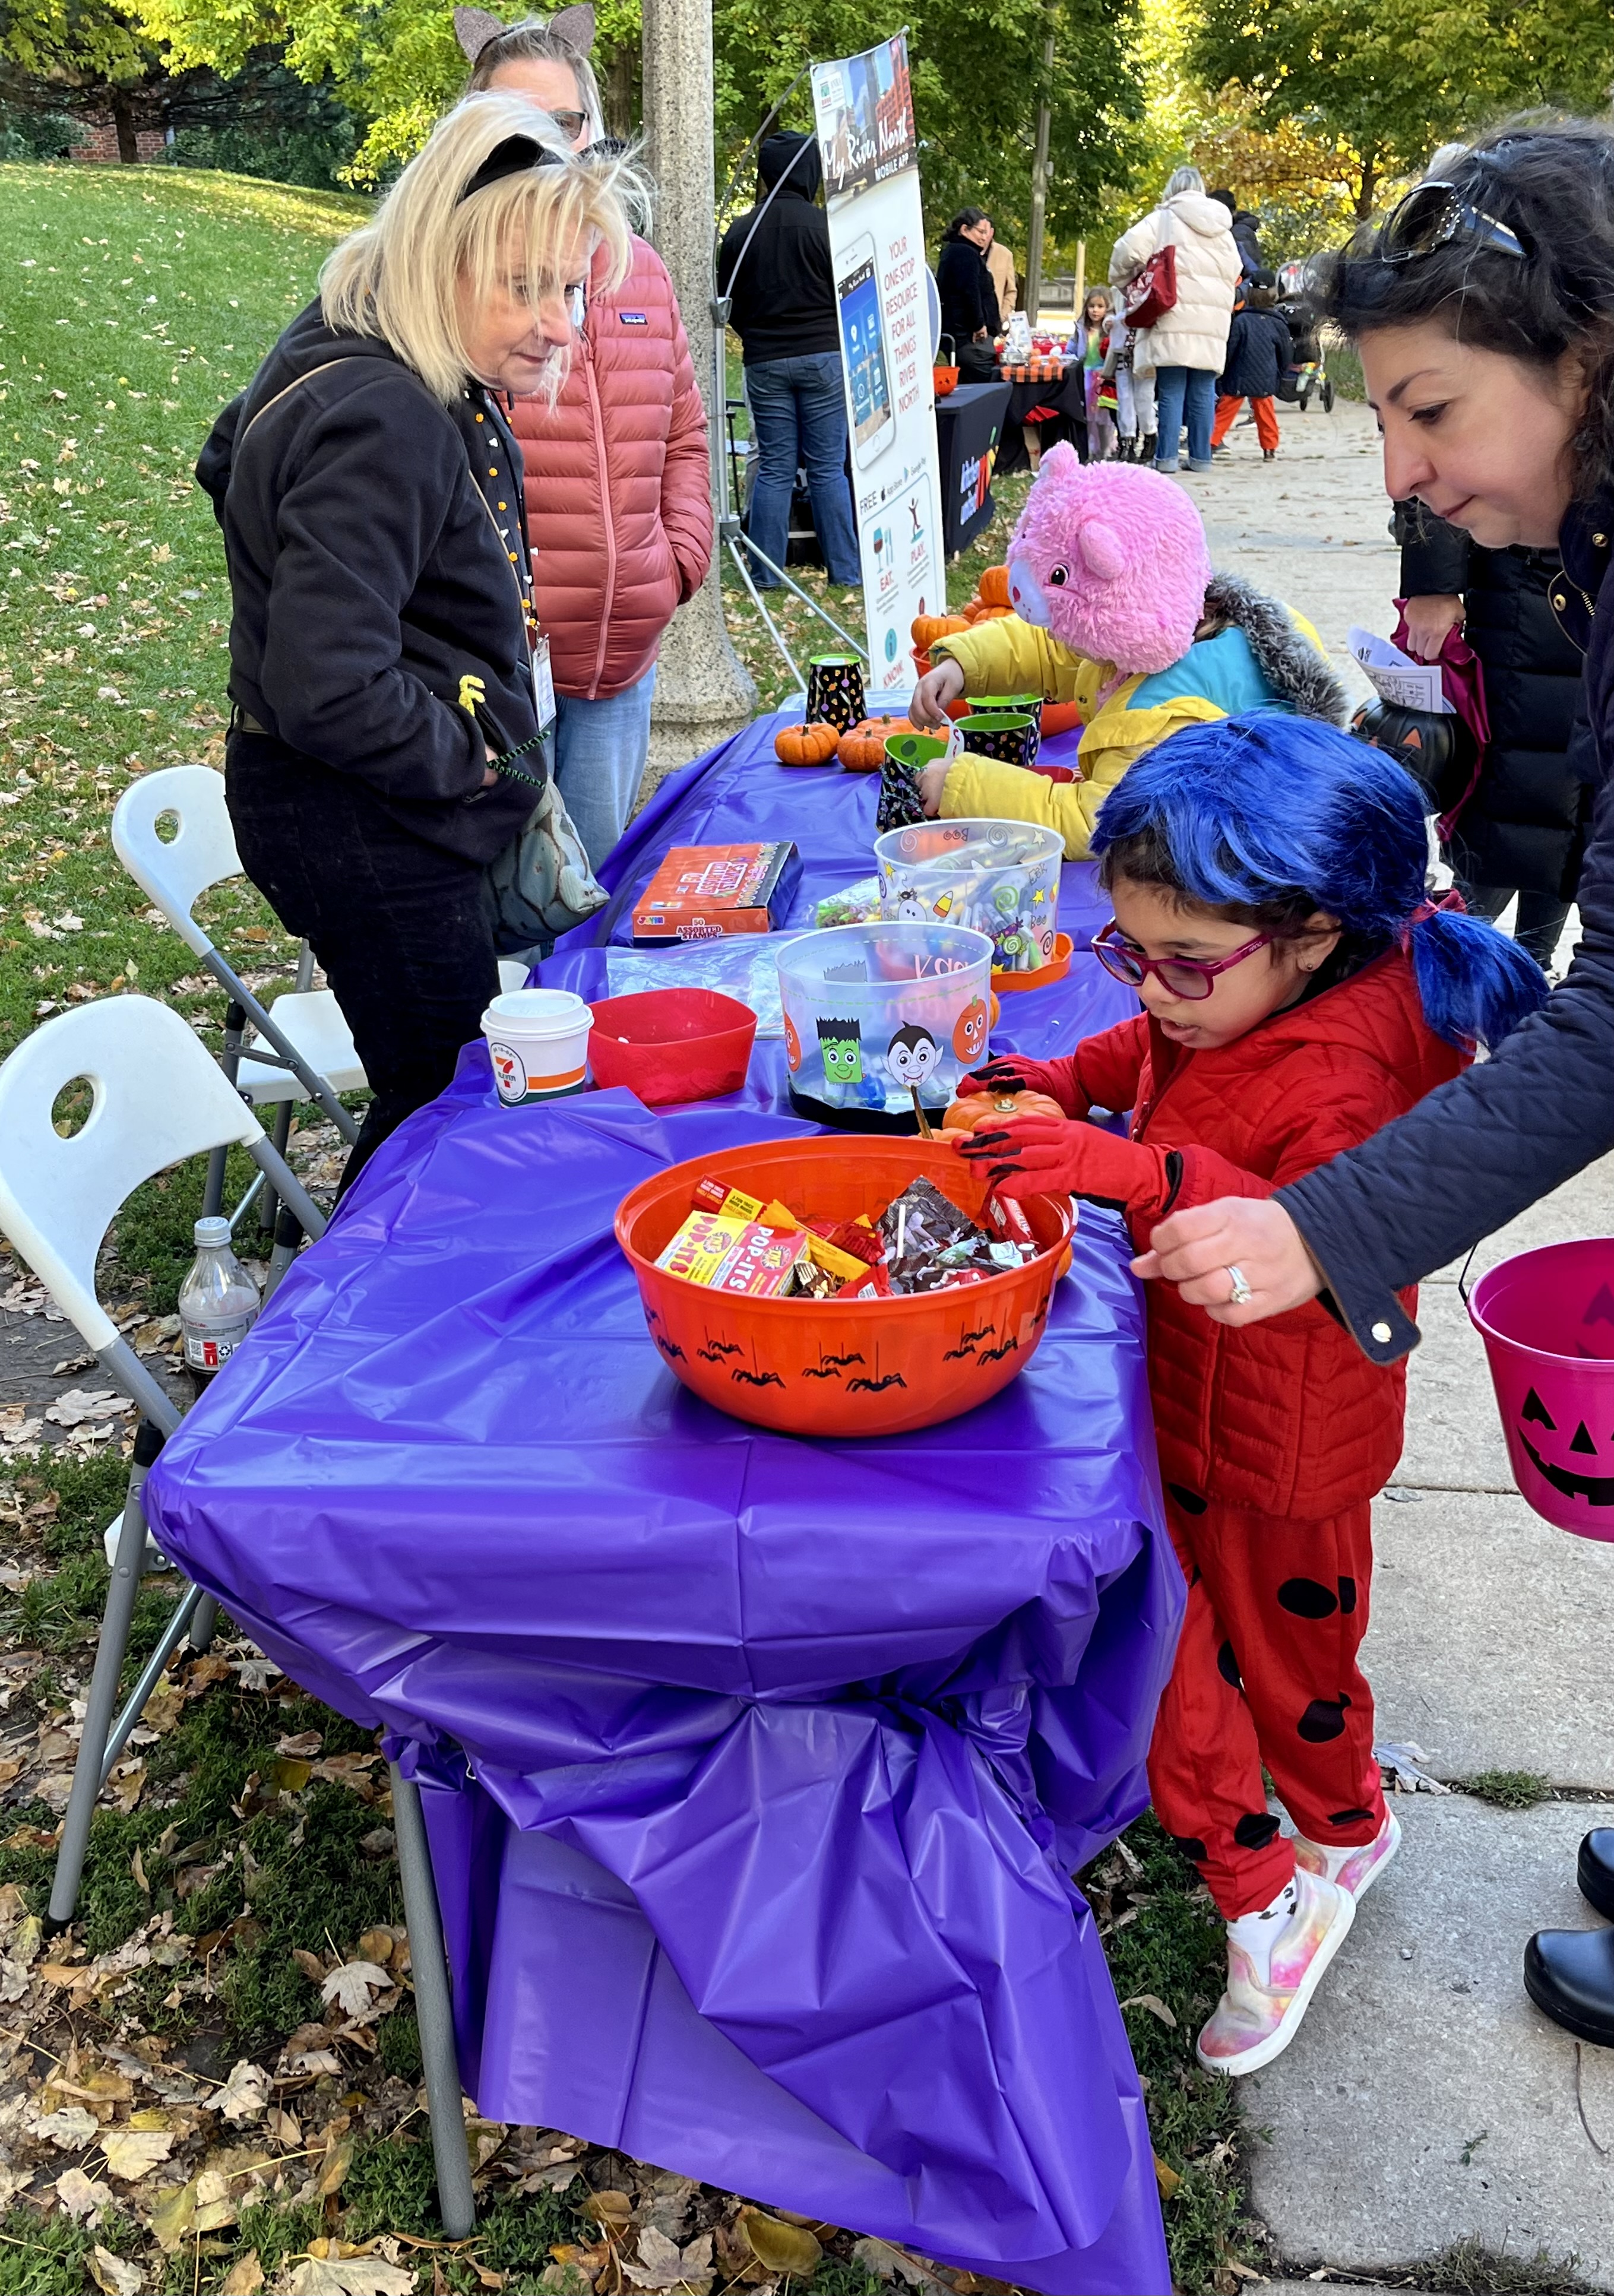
[537, 1040]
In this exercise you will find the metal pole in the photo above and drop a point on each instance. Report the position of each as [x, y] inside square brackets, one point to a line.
[433, 2009]
[1039, 185]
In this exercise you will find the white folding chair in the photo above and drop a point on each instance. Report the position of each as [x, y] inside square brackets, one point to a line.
[311, 1054]
[157, 1097]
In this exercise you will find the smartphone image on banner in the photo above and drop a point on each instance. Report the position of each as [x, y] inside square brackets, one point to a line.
[862, 336]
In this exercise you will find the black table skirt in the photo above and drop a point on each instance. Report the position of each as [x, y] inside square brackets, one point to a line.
[969, 427]
[1068, 400]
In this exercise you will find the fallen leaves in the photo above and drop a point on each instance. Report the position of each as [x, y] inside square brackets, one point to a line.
[112, 2275]
[85, 2198]
[663, 2264]
[351, 1985]
[1155, 2006]
[781, 2247]
[350, 2276]
[80, 1404]
[244, 2096]
[69, 2129]
[131, 2153]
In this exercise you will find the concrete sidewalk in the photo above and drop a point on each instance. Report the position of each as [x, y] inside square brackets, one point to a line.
[1425, 2102]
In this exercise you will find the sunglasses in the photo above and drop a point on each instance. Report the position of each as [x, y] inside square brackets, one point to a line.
[1184, 976]
[1431, 214]
[571, 124]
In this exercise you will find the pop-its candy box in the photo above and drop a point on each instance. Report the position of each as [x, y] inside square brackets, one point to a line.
[730, 1253]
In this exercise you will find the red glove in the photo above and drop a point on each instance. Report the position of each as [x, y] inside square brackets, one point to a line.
[1011, 1073]
[1037, 1155]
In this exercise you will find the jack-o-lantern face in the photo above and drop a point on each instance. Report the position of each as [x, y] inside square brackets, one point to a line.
[1573, 1482]
[969, 1031]
[792, 1045]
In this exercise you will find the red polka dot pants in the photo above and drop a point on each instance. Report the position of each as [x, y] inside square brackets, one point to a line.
[1266, 1672]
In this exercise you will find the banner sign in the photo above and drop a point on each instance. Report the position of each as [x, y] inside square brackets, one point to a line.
[864, 108]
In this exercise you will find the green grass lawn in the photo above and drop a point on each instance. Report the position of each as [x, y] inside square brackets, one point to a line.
[137, 302]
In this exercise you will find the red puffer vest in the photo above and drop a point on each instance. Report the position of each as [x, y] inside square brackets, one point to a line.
[1287, 1416]
[619, 487]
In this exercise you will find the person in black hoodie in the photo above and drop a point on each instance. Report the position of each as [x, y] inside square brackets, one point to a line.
[1523, 829]
[775, 267]
[384, 743]
[968, 299]
[1259, 354]
[1246, 233]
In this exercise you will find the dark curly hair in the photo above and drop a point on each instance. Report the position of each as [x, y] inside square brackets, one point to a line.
[1550, 180]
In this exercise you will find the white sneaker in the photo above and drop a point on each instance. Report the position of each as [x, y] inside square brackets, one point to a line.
[1260, 2013]
[1353, 1870]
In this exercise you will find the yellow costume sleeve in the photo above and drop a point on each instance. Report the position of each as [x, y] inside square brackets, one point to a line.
[981, 789]
[1009, 656]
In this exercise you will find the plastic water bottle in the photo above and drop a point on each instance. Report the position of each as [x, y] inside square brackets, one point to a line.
[218, 1301]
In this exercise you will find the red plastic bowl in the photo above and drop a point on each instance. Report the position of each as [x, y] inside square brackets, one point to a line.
[669, 1044]
[837, 1367]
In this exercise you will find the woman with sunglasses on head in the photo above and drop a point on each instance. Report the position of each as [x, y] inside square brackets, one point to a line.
[618, 482]
[1268, 877]
[1484, 314]
[384, 745]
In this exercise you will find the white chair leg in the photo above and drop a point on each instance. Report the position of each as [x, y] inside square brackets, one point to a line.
[433, 2009]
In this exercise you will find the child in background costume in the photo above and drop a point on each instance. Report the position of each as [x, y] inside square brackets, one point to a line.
[1260, 355]
[1117, 608]
[1299, 992]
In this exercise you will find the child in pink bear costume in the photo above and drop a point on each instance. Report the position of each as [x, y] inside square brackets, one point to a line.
[1117, 608]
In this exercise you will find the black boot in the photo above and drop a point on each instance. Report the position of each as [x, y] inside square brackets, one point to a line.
[1569, 1975]
[1595, 1870]
[1146, 452]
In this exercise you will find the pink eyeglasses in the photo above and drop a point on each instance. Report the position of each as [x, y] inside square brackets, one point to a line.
[1183, 976]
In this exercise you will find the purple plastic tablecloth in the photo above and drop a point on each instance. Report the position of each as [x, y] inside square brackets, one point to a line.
[754, 1768]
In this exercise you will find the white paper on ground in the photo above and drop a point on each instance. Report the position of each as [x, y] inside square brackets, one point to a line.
[1395, 676]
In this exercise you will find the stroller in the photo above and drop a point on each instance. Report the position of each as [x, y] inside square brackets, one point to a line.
[1308, 377]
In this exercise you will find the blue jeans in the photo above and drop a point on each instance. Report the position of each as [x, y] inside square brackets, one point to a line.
[600, 752]
[800, 416]
[1183, 394]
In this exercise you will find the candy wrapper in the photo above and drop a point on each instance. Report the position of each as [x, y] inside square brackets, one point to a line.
[854, 905]
[931, 1246]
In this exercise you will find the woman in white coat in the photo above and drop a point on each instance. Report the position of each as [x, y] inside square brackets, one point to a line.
[1186, 349]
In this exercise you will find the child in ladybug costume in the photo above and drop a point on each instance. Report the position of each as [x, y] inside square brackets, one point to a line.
[1300, 991]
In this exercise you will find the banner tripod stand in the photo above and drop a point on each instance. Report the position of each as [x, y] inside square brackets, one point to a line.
[730, 535]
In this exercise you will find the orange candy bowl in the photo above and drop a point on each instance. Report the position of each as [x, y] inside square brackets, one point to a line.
[830, 1367]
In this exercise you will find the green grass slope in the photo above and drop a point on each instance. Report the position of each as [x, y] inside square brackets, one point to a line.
[133, 304]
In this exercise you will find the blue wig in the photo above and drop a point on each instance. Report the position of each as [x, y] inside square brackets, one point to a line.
[1282, 816]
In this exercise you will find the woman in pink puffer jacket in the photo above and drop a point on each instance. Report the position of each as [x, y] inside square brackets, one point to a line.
[617, 480]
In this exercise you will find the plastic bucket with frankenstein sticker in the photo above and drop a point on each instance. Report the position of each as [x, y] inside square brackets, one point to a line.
[874, 1013]
[1000, 878]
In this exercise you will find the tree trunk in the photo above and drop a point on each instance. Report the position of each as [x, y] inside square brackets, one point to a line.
[703, 691]
[621, 92]
[123, 120]
[1366, 189]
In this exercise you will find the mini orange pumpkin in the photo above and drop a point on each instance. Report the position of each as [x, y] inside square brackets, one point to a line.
[863, 749]
[989, 1108]
[928, 627]
[805, 745]
[992, 588]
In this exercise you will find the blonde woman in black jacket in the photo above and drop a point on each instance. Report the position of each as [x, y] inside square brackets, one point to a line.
[384, 739]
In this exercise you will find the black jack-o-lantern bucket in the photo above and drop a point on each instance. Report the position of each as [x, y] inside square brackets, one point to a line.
[1547, 1321]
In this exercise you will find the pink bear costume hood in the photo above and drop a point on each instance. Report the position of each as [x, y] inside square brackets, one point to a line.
[1111, 560]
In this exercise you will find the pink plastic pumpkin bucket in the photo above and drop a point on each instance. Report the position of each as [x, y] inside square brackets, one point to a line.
[1547, 1321]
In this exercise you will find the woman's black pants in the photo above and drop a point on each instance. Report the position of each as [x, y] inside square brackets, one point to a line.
[404, 929]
